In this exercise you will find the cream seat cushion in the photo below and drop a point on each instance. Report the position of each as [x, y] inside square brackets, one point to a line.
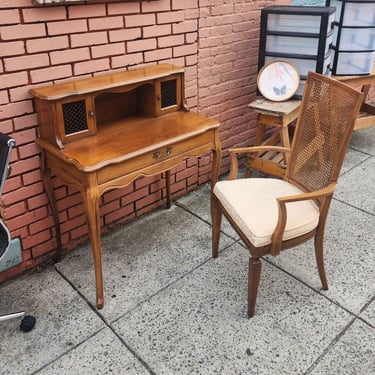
[251, 202]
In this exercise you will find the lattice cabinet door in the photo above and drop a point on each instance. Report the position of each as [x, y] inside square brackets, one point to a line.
[168, 94]
[75, 118]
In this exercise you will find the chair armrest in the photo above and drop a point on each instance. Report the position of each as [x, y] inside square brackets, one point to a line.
[311, 195]
[282, 201]
[234, 152]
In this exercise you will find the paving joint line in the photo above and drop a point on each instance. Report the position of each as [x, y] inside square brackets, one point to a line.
[107, 324]
[329, 347]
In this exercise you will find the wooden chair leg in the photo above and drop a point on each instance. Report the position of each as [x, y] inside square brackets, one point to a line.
[253, 283]
[319, 255]
[216, 217]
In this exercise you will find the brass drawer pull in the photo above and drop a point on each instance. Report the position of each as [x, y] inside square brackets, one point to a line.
[158, 154]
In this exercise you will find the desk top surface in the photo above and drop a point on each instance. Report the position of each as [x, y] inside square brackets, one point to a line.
[123, 140]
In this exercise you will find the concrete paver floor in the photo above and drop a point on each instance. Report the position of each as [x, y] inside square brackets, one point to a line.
[172, 309]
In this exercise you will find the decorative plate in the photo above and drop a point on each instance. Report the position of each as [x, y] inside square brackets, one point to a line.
[278, 80]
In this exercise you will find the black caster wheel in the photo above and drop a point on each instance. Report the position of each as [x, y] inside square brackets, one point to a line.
[27, 323]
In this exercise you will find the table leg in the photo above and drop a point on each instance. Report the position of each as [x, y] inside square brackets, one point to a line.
[285, 142]
[91, 201]
[257, 142]
[168, 189]
[48, 185]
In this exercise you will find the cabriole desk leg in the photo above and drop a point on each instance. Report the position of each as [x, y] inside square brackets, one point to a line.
[91, 200]
[168, 189]
[48, 185]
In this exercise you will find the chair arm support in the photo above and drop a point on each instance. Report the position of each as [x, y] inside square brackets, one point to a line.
[282, 201]
[311, 195]
[234, 152]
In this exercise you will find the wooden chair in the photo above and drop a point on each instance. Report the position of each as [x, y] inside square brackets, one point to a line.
[271, 214]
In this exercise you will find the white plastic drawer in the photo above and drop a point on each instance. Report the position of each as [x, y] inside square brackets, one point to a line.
[355, 13]
[354, 63]
[297, 23]
[295, 44]
[355, 39]
[304, 65]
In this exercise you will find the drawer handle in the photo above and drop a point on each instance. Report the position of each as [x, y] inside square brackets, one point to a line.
[158, 154]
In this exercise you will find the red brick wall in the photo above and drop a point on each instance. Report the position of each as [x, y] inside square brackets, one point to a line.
[215, 40]
[227, 62]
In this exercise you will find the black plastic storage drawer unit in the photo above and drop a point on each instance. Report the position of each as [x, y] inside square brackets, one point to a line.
[353, 45]
[299, 34]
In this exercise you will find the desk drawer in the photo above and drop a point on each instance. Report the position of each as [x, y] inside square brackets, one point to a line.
[142, 163]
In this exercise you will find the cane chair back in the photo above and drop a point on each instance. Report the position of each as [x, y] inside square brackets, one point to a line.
[323, 132]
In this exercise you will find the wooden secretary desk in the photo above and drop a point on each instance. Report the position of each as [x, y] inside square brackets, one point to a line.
[101, 133]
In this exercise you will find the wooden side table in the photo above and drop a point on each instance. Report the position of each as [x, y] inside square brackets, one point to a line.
[278, 115]
[281, 114]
